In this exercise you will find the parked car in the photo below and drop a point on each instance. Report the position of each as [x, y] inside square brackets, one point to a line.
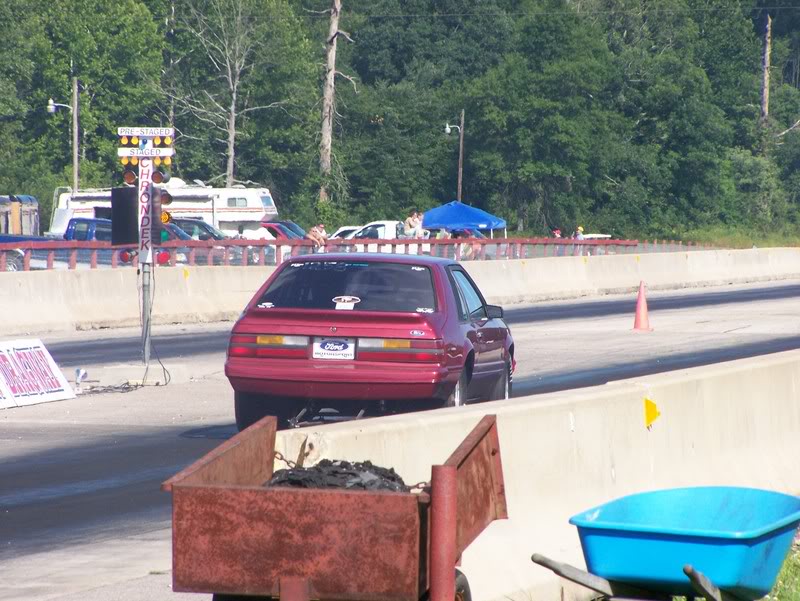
[279, 231]
[78, 229]
[378, 230]
[373, 333]
[386, 230]
[343, 231]
[473, 242]
[198, 229]
[170, 232]
[292, 226]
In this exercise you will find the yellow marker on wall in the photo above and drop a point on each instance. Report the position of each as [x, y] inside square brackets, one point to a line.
[185, 273]
[651, 413]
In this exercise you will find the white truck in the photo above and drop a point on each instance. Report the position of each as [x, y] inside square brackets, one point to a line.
[227, 209]
[387, 230]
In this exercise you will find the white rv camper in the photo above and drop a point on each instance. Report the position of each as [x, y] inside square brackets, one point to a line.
[224, 208]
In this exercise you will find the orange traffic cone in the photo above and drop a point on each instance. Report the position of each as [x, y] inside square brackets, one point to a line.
[641, 323]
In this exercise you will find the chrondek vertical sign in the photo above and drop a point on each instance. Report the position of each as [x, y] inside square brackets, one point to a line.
[145, 210]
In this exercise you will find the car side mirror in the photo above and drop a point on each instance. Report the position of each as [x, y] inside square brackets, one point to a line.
[494, 311]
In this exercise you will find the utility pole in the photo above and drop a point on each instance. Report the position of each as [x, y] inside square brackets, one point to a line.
[447, 129]
[328, 100]
[460, 155]
[75, 121]
[765, 75]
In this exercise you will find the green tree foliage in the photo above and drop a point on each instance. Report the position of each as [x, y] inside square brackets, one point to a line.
[635, 117]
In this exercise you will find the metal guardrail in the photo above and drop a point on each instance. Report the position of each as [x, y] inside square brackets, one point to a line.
[70, 255]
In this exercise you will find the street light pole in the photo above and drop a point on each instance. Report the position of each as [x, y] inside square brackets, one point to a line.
[447, 129]
[52, 107]
[460, 154]
[75, 120]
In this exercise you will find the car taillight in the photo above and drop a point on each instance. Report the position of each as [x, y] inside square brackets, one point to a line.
[400, 350]
[268, 345]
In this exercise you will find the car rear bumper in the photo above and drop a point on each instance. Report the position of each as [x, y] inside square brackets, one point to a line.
[340, 380]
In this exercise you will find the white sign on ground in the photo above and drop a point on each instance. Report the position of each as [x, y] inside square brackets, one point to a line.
[28, 375]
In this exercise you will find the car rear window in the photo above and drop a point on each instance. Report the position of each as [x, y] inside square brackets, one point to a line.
[348, 285]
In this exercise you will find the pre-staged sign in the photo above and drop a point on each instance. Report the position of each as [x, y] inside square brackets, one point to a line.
[146, 132]
[29, 375]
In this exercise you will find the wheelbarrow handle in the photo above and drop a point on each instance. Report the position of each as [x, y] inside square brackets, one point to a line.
[593, 582]
[601, 585]
[703, 586]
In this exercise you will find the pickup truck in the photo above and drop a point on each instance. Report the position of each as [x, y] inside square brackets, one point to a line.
[387, 230]
[78, 229]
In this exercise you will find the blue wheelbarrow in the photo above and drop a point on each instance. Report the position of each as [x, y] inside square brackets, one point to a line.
[721, 543]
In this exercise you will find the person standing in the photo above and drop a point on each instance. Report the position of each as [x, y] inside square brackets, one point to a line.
[578, 235]
[559, 249]
[412, 226]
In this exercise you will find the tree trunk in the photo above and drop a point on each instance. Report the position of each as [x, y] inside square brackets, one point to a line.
[765, 80]
[231, 140]
[328, 100]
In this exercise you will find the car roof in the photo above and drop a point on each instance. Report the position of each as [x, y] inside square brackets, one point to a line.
[380, 222]
[375, 258]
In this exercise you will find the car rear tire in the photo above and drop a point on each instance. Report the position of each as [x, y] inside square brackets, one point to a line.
[462, 592]
[13, 263]
[462, 587]
[250, 407]
[502, 389]
[458, 397]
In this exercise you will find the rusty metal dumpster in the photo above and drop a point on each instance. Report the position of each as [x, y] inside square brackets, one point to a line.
[231, 534]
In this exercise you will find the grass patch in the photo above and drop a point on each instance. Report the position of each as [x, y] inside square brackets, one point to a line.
[726, 237]
[787, 588]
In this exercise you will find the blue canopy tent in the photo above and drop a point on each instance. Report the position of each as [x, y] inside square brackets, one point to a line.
[458, 216]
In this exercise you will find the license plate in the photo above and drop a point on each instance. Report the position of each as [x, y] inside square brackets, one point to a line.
[334, 348]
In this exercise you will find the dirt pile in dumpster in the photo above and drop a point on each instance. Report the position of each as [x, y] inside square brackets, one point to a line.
[338, 473]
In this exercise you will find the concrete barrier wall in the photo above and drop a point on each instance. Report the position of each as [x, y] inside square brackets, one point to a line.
[46, 301]
[562, 277]
[735, 423]
[52, 301]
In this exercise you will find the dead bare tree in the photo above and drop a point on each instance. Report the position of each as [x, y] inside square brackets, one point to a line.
[328, 96]
[226, 30]
[765, 72]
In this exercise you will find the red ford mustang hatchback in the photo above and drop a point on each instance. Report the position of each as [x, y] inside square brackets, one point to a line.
[366, 334]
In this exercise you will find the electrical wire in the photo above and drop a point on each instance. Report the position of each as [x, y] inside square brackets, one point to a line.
[650, 11]
[165, 371]
[126, 387]
[139, 295]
